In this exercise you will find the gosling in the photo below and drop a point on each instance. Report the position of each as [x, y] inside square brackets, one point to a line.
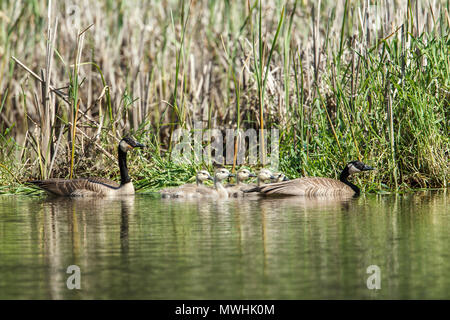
[96, 187]
[263, 176]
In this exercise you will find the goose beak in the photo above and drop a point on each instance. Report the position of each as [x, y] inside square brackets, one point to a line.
[210, 178]
[252, 175]
[272, 177]
[139, 145]
[367, 168]
[285, 179]
[231, 175]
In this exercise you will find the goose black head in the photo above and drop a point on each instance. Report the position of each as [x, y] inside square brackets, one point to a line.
[357, 166]
[127, 144]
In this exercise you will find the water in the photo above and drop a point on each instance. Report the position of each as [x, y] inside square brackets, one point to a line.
[149, 248]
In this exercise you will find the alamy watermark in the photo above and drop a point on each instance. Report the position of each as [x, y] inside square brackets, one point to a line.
[73, 281]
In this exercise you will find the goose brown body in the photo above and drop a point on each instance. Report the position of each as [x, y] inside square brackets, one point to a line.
[263, 176]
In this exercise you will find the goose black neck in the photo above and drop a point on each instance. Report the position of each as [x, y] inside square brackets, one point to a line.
[124, 177]
[343, 177]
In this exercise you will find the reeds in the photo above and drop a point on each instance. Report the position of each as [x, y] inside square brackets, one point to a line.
[340, 81]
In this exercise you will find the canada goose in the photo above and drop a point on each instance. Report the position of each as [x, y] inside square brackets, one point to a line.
[280, 176]
[263, 176]
[187, 189]
[316, 186]
[235, 190]
[219, 190]
[94, 186]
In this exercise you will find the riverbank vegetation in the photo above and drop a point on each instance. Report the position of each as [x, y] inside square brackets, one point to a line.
[343, 80]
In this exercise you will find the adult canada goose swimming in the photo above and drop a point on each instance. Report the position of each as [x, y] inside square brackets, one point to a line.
[235, 190]
[189, 189]
[316, 186]
[94, 186]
